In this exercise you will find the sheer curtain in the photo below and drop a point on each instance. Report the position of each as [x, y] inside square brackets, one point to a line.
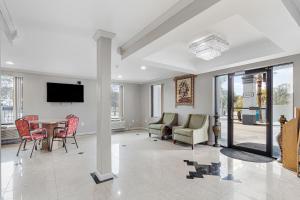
[19, 97]
[156, 101]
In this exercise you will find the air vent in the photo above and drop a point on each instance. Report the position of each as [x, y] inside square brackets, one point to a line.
[118, 125]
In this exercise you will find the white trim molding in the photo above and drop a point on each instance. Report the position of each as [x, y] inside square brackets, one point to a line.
[104, 177]
[6, 22]
[101, 33]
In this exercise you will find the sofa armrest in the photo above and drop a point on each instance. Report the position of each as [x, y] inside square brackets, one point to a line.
[200, 130]
[201, 134]
[171, 124]
[176, 127]
[158, 121]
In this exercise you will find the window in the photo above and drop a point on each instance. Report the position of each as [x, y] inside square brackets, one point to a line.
[222, 105]
[117, 101]
[282, 100]
[156, 99]
[11, 99]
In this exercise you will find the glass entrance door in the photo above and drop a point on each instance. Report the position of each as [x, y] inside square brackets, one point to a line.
[250, 111]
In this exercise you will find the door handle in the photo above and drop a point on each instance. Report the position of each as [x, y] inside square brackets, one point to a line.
[253, 108]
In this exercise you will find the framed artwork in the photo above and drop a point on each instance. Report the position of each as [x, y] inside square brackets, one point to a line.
[184, 90]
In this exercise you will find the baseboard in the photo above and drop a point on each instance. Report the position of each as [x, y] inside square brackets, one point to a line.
[86, 133]
[136, 128]
[101, 178]
[128, 129]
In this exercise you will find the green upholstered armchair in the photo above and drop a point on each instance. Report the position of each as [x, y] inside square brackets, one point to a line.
[194, 131]
[164, 125]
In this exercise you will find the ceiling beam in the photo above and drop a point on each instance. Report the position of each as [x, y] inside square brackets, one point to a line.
[175, 16]
[293, 6]
[169, 67]
[6, 23]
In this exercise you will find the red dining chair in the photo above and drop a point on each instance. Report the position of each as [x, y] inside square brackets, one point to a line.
[69, 131]
[27, 135]
[33, 125]
[65, 122]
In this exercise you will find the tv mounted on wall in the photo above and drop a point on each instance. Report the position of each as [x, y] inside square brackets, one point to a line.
[60, 92]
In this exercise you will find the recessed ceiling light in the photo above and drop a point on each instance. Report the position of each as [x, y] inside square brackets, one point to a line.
[9, 63]
[143, 67]
[120, 76]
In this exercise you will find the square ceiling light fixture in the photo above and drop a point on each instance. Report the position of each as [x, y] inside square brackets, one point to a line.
[209, 47]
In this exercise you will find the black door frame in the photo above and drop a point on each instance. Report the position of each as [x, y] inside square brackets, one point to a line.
[269, 114]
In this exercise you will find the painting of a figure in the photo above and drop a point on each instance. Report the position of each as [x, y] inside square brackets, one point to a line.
[184, 90]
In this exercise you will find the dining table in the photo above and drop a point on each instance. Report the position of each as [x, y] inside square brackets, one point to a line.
[49, 125]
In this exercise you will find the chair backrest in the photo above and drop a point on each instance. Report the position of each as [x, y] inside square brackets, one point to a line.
[29, 118]
[168, 117]
[196, 121]
[72, 125]
[69, 116]
[22, 127]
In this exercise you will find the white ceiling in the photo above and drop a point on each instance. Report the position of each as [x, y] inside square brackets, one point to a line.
[256, 29]
[56, 36]
[245, 41]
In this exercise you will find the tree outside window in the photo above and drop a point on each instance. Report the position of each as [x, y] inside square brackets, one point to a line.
[117, 101]
[7, 99]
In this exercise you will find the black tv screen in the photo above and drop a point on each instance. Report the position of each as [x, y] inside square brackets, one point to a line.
[59, 92]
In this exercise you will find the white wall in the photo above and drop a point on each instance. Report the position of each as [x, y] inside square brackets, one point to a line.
[132, 105]
[203, 97]
[35, 101]
[204, 91]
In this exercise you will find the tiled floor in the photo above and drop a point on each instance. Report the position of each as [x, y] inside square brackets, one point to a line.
[145, 169]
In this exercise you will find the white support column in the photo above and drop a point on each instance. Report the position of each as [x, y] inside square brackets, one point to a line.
[104, 166]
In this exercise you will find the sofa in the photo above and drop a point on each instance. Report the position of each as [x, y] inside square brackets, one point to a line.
[163, 127]
[194, 131]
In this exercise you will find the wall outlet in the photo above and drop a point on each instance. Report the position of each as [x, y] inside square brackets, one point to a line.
[82, 123]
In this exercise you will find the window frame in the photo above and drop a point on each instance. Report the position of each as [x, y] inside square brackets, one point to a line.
[121, 103]
[17, 98]
[152, 101]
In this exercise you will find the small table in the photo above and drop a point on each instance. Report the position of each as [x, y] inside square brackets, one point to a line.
[49, 125]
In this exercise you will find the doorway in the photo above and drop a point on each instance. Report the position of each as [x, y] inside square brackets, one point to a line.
[250, 103]
[250, 111]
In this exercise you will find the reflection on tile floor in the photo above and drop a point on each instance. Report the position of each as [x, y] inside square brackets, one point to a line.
[144, 169]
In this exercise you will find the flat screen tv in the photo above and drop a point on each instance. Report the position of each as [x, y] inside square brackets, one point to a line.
[59, 92]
